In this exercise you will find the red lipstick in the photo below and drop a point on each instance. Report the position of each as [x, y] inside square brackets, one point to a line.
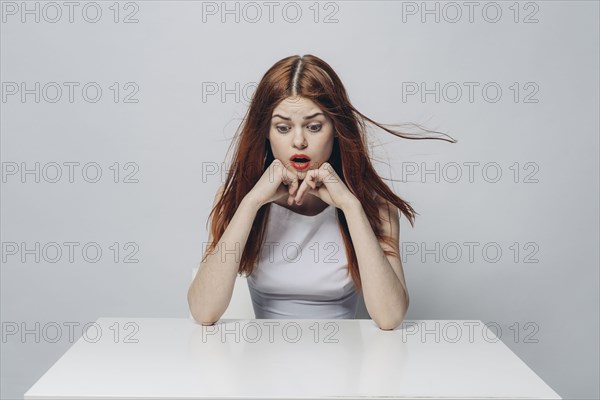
[300, 161]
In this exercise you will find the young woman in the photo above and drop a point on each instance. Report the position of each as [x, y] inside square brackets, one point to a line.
[303, 213]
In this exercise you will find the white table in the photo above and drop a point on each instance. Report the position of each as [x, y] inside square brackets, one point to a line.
[274, 358]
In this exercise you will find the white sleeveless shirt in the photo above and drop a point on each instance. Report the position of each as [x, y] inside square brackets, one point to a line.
[301, 271]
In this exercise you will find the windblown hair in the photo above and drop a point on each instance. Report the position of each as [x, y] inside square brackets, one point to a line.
[312, 78]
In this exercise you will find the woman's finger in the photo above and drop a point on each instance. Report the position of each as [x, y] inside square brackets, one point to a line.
[300, 194]
[292, 191]
[307, 184]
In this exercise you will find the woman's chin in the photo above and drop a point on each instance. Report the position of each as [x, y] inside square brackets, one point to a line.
[300, 174]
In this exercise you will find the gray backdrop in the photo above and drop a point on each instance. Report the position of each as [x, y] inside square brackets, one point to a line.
[116, 121]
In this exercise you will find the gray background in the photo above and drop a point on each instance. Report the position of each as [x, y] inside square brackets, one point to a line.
[544, 297]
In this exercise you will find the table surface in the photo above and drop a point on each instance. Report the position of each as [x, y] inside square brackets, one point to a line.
[176, 358]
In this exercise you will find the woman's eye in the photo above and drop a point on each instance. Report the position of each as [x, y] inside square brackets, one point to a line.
[312, 128]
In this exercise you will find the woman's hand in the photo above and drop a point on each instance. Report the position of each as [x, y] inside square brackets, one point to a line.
[275, 183]
[326, 184]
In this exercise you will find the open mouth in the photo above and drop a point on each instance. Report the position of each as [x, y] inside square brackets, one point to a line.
[300, 161]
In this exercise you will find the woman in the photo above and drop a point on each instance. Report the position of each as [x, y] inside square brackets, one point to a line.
[301, 174]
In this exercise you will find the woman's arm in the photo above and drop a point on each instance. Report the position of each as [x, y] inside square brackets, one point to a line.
[384, 289]
[212, 288]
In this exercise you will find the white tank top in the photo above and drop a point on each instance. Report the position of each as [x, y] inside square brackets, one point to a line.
[301, 271]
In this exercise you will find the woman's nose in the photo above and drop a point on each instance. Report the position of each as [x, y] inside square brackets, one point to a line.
[300, 141]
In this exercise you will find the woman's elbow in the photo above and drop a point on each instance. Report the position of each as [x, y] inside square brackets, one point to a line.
[392, 323]
[196, 311]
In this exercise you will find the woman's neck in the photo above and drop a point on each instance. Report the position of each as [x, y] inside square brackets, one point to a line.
[312, 205]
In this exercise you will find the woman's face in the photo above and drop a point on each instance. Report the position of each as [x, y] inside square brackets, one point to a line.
[299, 128]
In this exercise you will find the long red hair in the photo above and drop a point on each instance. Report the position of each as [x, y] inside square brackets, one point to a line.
[312, 78]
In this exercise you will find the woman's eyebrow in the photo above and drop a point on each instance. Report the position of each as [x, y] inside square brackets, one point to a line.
[289, 119]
